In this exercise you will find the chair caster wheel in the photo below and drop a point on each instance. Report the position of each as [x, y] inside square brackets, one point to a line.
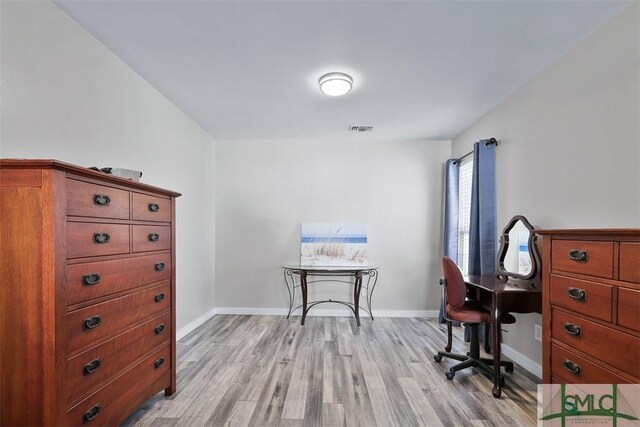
[502, 381]
[508, 369]
[450, 375]
[437, 358]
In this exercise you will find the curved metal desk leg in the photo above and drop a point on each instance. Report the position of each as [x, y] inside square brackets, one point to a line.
[356, 296]
[288, 277]
[372, 274]
[303, 286]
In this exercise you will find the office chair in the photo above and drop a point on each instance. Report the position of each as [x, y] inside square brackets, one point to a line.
[470, 313]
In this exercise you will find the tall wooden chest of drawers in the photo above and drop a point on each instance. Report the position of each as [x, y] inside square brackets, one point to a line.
[87, 294]
[591, 306]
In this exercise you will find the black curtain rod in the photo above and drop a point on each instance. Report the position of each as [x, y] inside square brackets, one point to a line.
[491, 141]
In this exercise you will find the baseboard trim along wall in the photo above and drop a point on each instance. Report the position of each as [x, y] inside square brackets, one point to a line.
[522, 360]
[193, 325]
[517, 357]
[325, 312]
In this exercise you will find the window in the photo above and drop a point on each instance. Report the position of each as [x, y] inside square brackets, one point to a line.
[464, 212]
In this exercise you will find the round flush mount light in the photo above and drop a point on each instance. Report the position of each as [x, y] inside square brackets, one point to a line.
[335, 84]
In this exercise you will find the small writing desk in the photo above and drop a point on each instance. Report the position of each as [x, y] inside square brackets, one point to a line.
[330, 274]
[500, 296]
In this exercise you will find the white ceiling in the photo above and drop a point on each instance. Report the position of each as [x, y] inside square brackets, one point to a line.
[421, 69]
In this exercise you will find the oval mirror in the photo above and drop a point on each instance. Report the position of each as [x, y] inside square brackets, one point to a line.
[518, 255]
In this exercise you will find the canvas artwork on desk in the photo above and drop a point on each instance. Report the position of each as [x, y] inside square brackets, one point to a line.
[333, 244]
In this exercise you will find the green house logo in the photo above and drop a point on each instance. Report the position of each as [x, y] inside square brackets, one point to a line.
[582, 403]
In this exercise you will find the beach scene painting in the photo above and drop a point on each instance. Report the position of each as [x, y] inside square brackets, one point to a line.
[333, 244]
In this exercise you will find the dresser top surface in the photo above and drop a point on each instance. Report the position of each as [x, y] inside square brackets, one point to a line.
[632, 234]
[80, 170]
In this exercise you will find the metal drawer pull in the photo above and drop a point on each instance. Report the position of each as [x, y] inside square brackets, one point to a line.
[160, 329]
[92, 366]
[91, 414]
[153, 207]
[101, 199]
[90, 279]
[578, 255]
[154, 237]
[101, 238]
[577, 293]
[160, 266]
[159, 297]
[92, 322]
[572, 367]
[158, 363]
[572, 329]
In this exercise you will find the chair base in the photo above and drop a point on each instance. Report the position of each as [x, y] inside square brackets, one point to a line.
[473, 359]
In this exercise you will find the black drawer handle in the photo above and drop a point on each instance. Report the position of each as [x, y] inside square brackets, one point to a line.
[572, 367]
[92, 322]
[154, 207]
[577, 293]
[579, 255]
[90, 279]
[91, 414]
[101, 238]
[158, 363]
[160, 266]
[160, 329]
[159, 297]
[101, 199]
[154, 237]
[92, 366]
[572, 329]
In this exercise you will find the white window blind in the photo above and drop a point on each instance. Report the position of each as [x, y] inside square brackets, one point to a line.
[464, 212]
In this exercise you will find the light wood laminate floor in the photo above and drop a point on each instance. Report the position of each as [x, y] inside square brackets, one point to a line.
[270, 371]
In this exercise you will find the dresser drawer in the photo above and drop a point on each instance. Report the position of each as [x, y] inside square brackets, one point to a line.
[630, 262]
[92, 367]
[597, 341]
[629, 308]
[96, 279]
[574, 369]
[151, 238]
[91, 324]
[98, 201]
[582, 296]
[151, 208]
[85, 239]
[108, 403]
[583, 257]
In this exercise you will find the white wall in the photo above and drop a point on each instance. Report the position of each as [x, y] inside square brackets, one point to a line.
[65, 96]
[266, 189]
[570, 144]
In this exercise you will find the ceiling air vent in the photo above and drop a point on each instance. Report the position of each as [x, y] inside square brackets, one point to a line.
[360, 128]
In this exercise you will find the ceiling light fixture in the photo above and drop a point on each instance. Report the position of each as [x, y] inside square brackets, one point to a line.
[335, 84]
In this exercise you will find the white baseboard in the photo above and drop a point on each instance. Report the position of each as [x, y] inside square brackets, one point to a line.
[325, 312]
[184, 331]
[252, 310]
[405, 313]
[522, 360]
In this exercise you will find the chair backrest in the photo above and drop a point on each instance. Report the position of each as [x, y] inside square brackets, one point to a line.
[456, 289]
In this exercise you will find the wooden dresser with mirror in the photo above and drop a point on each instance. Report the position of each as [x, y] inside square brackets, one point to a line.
[87, 299]
[591, 306]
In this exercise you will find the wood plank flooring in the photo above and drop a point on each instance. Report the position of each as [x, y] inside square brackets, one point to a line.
[270, 371]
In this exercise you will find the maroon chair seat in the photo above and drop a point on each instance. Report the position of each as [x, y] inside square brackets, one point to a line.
[472, 314]
[469, 313]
